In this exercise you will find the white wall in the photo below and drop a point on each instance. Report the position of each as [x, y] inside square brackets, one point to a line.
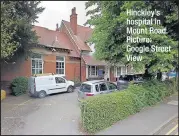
[92, 47]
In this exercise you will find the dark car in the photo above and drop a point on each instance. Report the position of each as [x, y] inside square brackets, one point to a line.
[124, 81]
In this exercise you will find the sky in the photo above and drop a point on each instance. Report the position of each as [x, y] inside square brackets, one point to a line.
[55, 11]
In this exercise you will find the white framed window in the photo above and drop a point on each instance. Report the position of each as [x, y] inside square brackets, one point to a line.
[124, 72]
[60, 65]
[37, 64]
[93, 71]
[120, 71]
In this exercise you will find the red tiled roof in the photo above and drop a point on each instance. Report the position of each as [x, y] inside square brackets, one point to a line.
[83, 34]
[54, 38]
[90, 60]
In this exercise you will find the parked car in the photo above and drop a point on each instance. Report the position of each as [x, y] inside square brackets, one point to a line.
[95, 87]
[172, 74]
[124, 81]
[45, 84]
[164, 76]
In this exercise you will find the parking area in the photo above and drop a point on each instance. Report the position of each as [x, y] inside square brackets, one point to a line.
[53, 115]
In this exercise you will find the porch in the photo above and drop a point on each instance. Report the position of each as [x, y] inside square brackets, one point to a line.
[95, 69]
[97, 72]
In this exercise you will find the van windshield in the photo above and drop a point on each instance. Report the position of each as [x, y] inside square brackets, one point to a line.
[85, 88]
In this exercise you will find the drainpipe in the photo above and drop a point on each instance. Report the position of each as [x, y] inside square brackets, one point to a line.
[80, 64]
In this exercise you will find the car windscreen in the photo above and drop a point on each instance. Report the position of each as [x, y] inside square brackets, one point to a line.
[85, 88]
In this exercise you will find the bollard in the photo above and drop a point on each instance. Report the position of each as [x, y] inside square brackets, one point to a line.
[3, 94]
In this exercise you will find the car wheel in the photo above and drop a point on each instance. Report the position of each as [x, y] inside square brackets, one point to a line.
[41, 94]
[70, 89]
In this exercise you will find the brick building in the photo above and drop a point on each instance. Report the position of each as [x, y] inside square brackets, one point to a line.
[59, 51]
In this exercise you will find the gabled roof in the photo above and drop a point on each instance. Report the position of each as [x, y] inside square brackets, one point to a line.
[90, 60]
[55, 39]
[83, 34]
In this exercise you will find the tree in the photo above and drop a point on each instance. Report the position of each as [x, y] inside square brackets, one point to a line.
[110, 34]
[17, 18]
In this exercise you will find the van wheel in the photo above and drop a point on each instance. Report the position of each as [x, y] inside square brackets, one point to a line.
[41, 94]
[70, 89]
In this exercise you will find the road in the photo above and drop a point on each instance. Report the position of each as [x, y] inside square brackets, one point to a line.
[170, 129]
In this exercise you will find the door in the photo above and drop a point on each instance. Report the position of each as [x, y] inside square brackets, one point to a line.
[111, 87]
[60, 85]
[85, 89]
[31, 85]
[103, 88]
[97, 89]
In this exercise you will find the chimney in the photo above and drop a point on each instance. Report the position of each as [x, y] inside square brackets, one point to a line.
[57, 28]
[73, 20]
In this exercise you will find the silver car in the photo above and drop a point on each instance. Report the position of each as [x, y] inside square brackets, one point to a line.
[95, 87]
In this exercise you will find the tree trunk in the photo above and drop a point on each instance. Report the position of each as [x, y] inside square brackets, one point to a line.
[147, 75]
[159, 75]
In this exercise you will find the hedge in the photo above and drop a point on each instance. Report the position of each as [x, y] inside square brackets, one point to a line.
[19, 86]
[100, 112]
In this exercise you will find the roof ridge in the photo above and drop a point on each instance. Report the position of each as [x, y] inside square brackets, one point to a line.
[46, 28]
[79, 25]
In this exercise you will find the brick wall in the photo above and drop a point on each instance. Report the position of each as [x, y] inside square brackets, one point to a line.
[22, 67]
[10, 70]
[72, 69]
[49, 64]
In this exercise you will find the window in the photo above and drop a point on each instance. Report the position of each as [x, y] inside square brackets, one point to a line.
[118, 71]
[103, 87]
[111, 86]
[59, 80]
[36, 65]
[93, 71]
[97, 88]
[85, 88]
[60, 65]
[124, 70]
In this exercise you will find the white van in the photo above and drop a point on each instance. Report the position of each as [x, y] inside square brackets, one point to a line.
[42, 85]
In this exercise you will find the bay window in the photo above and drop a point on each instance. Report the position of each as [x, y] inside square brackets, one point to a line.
[93, 71]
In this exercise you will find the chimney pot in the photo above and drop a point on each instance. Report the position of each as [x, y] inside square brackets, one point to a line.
[74, 11]
[57, 28]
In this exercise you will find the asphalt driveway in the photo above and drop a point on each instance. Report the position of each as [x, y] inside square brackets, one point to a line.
[54, 115]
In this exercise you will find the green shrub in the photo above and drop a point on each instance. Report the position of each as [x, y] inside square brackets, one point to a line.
[102, 111]
[140, 93]
[19, 85]
[172, 85]
[155, 91]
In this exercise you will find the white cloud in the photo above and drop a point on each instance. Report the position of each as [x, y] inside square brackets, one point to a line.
[55, 11]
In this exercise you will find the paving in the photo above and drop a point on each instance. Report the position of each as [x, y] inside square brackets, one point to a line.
[60, 115]
[54, 115]
[145, 122]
